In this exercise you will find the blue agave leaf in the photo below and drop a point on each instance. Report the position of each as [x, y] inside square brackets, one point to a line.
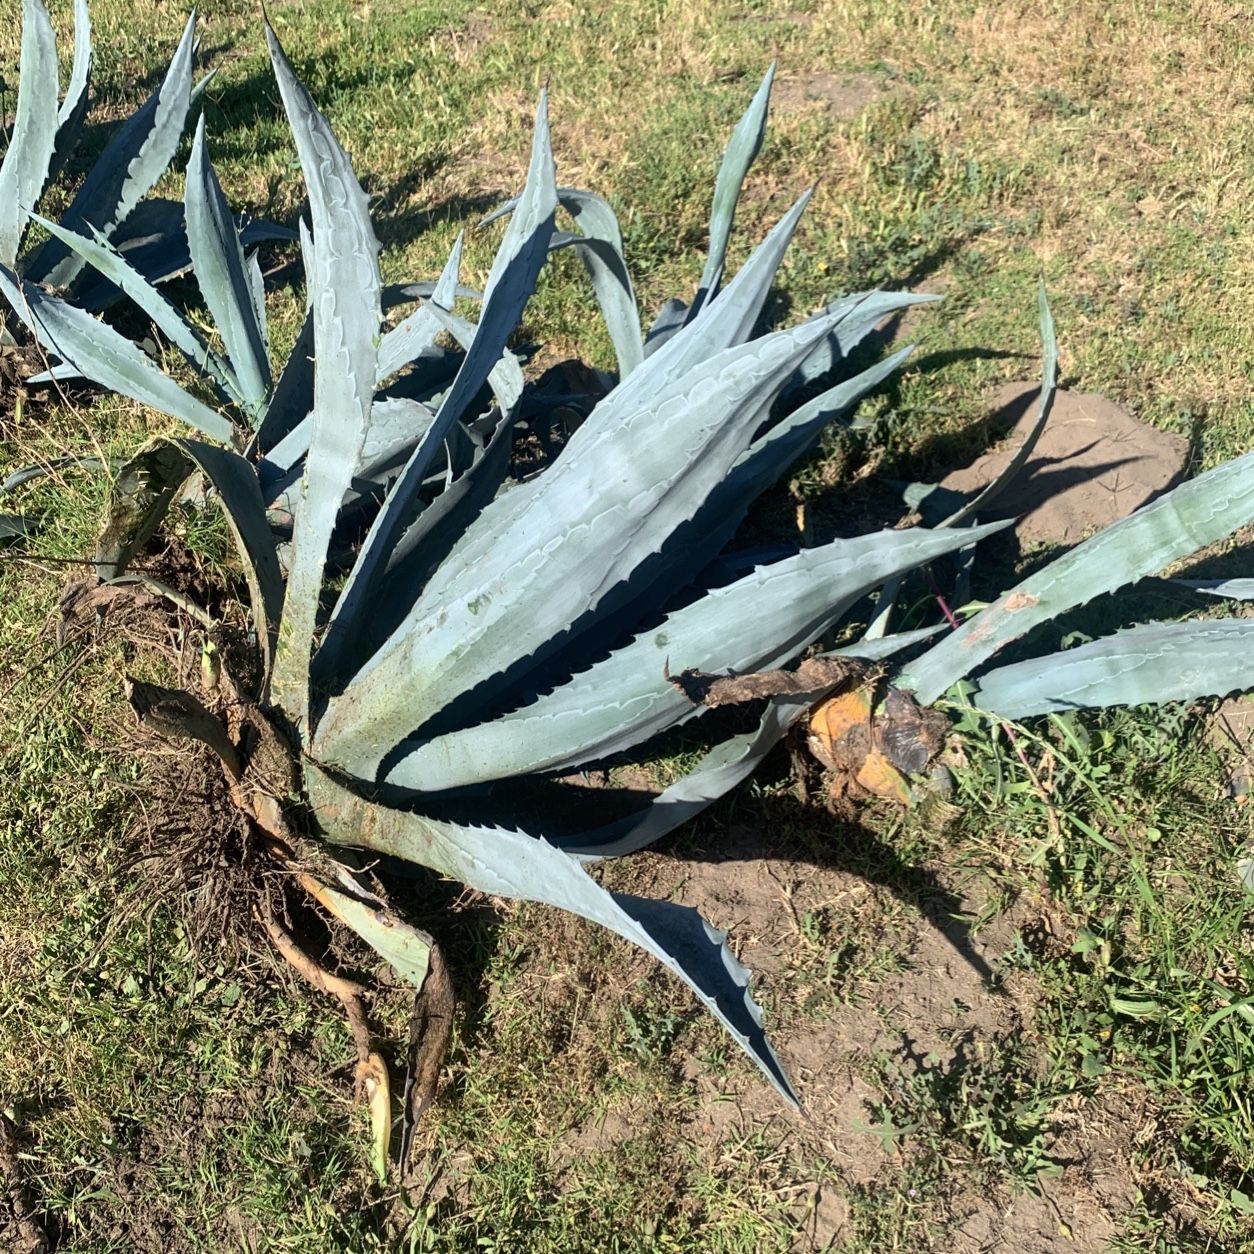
[133, 161]
[1232, 589]
[697, 543]
[55, 374]
[1189, 517]
[670, 318]
[510, 283]
[797, 432]
[222, 276]
[991, 491]
[512, 864]
[74, 107]
[24, 170]
[257, 296]
[235, 481]
[862, 312]
[479, 484]
[425, 545]
[506, 376]
[555, 549]
[345, 634]
[419, 331]
[110, 263]
[154, 240]
[345, 286]
[140, 494]
[17, 527]
[727, 322]
[971, 508]
[726, 766]
[100, 353]
[600, 248]
[730, 317]
[28, 474]
[401, 293]
[293, 395]
[741, 152]
[396, 426]
[625, 698]
[406, 949]
[1147, 664]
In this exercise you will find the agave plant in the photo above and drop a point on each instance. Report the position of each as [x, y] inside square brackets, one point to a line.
[243, 403]
[112, 201]
[490, 635]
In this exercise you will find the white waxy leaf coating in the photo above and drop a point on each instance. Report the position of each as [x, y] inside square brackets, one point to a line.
[345, 287]
[29, 154]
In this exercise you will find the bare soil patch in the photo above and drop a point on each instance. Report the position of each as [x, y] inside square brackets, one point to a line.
[942, 1022]
[836, 95]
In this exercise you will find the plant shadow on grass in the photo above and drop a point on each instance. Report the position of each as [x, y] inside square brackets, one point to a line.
[398, 223]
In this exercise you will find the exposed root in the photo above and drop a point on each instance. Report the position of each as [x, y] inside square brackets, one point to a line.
[221, 846]
[175, 714]
[348, 993]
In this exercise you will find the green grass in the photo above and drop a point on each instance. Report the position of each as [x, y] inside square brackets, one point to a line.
[166, 1099]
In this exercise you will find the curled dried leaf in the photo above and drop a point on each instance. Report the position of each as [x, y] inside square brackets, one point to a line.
[816, 675]
[372, 1080]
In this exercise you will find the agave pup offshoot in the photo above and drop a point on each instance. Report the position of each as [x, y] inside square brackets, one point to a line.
[110, 202]
[111, 209]
[491, 632]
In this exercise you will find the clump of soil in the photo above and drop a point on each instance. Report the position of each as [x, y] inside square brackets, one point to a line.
[18, 362]
[20, 1230]
[1094, 464]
